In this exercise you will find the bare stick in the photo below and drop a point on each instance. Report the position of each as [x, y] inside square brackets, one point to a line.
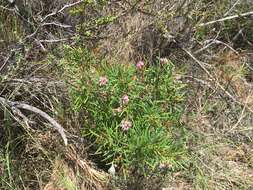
[227, 18]
[239, 120]
[55, 40]
[24, 106]
[57, 24]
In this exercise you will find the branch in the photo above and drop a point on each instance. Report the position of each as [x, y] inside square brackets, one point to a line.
[6, 61]
[215, 41]
[61, 10]
[57, 24]
[42, 22]
[55, 40]
[232, 7]
[227, 18]
[18, 105]
[8, 9]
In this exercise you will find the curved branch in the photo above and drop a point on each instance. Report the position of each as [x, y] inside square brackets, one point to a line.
[33, 109]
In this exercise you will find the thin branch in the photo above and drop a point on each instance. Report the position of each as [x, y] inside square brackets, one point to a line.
[239, 120]
[57, 24]
[55, 40]
[199, 81]
[6, 61]
[199, 63]
[19, 105]
[227, 18]
[220, 42]
[214, 41]
[61, 10]
[42, 22]
[8, 9]
[232, 7]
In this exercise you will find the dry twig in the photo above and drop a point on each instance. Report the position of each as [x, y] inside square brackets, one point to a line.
[61, 10]
[227, 18]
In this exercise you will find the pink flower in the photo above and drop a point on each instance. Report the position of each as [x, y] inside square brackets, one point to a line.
[103, 81]
[164, 61]
[162, 166]
[125, 99]
[125, 125]
[140, 65]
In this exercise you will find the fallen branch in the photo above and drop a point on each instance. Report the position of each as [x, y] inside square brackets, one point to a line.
[19, 105]
[227, 18]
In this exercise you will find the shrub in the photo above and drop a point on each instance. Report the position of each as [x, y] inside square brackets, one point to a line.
[130, 110]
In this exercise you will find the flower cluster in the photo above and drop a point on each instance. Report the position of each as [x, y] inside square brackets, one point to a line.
[164, 61]
[125, 99]
[103, 81]
[125, 125]
[140, 65]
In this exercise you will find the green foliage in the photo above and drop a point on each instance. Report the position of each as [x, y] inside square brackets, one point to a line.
[147, 100]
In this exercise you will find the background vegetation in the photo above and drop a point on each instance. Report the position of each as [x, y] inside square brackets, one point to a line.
[126, 94]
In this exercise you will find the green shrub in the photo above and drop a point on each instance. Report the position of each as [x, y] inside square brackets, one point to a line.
[130, 110]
